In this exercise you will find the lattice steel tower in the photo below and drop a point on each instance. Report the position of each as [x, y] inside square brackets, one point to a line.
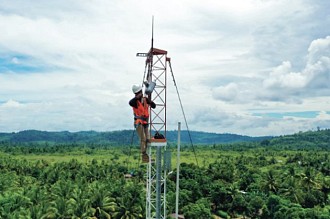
[159, 163]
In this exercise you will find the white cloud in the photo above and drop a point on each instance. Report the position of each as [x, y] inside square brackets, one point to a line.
[15, 60]
[11, 104]
[214, 119]
[228, 58]
[318, 64]
[226, 93]
[313, 80]
[323, 115]
[282, 77]
[319, 48]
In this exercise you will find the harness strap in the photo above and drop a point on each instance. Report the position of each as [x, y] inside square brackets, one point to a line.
[141, 117]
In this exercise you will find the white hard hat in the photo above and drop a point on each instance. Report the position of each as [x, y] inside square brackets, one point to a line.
[136, 88]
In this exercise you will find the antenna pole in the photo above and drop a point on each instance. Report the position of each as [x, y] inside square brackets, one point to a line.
[177, 173]
[152, 34]
[150, 57]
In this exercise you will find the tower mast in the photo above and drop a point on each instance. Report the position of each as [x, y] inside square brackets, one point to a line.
[156, 62]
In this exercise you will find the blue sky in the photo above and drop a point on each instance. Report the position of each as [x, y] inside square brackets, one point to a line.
[253, 67]
[17, 63]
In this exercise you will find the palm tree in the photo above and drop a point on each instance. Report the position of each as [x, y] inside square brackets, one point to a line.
[233, 191]
[13, 202]
[325, 189]
[289, 186]
[270, 183]
[308, 179]
[101, 203]
[60, 208]
[128, 211]
[81, 205]
[62, 188]
[37, 211]
[292, 191]
[129, 205]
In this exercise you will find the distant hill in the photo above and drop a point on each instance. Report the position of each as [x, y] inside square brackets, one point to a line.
[316, 140]
[122, 137]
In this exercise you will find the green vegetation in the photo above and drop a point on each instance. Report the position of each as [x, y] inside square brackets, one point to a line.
[117, 138]
[283, 177]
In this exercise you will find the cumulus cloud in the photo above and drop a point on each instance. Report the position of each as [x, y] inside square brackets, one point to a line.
[215, 119]
[226, 93]
[313, 80]
[318, 63]
[319, 48]
[283, 77]
[283, 89]
[283, 83]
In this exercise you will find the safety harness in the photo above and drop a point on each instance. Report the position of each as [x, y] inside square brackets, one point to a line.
[141, 113]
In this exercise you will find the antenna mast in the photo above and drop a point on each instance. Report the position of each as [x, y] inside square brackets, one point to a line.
[152, 33]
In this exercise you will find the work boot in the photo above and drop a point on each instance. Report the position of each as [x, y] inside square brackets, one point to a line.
[145, 158]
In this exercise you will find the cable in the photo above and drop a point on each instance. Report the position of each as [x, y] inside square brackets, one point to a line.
[130, 151]
[184, 115]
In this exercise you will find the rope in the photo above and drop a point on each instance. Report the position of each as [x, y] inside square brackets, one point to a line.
[130, 151]
[184, 115]
[128, 162]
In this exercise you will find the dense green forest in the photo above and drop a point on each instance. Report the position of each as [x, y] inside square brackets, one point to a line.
[280, 177]
[119, 138]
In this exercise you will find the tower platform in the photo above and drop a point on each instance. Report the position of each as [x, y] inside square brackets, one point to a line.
[153, 142]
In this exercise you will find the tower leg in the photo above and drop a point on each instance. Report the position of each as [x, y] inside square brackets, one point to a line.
[159, 181]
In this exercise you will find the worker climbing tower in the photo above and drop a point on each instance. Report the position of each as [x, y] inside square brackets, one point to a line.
[158, 165]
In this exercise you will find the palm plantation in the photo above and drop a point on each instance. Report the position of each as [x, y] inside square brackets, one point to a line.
[237, 180]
